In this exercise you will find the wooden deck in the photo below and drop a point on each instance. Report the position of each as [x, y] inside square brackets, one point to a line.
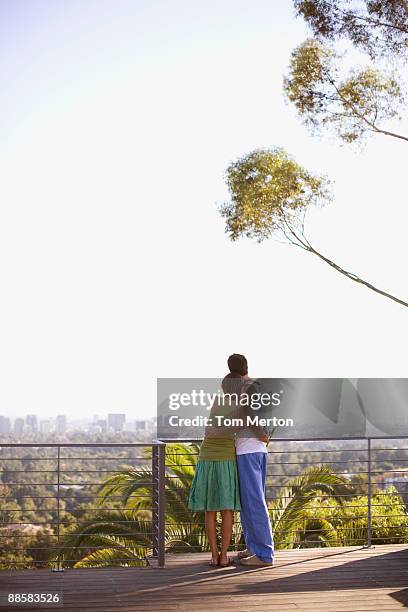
[344, 579]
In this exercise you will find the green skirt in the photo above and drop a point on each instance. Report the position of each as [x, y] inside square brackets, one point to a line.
[215, 486]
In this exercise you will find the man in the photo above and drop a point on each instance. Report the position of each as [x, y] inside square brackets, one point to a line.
[251, 449]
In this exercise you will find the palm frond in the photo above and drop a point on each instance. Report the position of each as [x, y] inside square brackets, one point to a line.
[108, 557]
[122, 529]
[288, 511]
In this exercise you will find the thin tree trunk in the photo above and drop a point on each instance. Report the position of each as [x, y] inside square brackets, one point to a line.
[354, 277]
[387, 133]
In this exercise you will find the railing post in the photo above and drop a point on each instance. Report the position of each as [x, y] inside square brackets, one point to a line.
[158, 502]
[58, 568]
[368, 545]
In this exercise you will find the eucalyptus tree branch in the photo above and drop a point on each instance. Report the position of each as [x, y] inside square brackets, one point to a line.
[374, 22]
[363, 118]
[293, 236]
[298, 238]
[271, 193]
[346, 273]
[370, 21]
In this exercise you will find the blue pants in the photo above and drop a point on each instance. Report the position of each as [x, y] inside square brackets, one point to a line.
[255, 522]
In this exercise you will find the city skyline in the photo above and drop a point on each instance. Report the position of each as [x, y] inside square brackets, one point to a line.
[61, 424]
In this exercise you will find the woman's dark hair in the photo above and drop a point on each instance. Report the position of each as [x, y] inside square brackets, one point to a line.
[232, 383]
[237, 364]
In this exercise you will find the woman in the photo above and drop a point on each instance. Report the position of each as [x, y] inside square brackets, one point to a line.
[215, 486]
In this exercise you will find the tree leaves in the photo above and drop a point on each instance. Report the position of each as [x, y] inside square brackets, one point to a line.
[376, 27]
[352, 107]
[270, 193]
[268, 190]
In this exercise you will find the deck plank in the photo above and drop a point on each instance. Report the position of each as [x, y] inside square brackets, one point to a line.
[348, 579]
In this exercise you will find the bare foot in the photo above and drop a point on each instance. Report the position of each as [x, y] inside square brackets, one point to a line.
[224, 559]
[215, 561]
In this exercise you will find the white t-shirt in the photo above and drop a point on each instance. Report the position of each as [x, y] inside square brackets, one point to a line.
[244, 446]
[245, 441]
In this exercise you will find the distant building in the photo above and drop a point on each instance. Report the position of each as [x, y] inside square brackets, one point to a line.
[32, 422]
[61, 423]
[5, 425]
[399, 480]
[141, 425]
[101, 425]
[26, 528]
[19, 425]
[45, 426]
[116, 422]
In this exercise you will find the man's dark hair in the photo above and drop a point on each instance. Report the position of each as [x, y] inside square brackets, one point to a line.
[238, 364]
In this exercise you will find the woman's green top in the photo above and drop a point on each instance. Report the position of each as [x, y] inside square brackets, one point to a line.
[217, 449]
[219, 440]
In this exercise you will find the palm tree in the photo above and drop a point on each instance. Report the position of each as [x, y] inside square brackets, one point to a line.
[124, 537]
[116, 537]
[290, 511]
[184, 529]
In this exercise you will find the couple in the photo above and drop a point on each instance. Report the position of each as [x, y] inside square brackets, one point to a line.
[230, 476]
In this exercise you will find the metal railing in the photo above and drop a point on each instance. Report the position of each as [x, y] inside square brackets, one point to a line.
[60, 485]
[354, 458]
[64, 491]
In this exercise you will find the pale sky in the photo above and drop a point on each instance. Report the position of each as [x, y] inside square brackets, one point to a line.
[118, 119]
